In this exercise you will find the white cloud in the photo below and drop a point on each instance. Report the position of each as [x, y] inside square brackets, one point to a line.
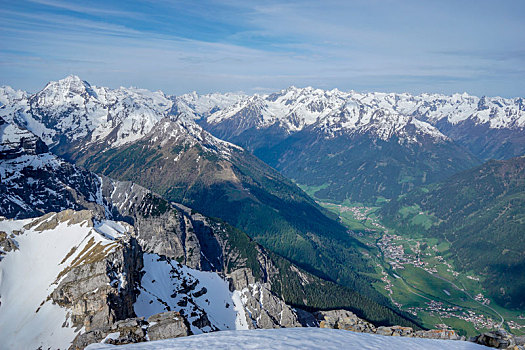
[357, 45]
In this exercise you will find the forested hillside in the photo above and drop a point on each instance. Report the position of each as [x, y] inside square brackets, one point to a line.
[481, 212]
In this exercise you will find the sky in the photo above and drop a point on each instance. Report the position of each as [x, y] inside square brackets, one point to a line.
[435, 46]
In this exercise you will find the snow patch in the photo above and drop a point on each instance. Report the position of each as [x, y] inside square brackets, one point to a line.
[295, 338]
[170, 286]
[28, 319]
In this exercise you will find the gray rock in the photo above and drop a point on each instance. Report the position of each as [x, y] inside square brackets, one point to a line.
[167, 325]
[101, 289]
[7, 244]
[306, 319]
[499, 339]
[264, 308]
[132, 330]
[384, 330]
[135, 330]
[343, 319]
[437, 334]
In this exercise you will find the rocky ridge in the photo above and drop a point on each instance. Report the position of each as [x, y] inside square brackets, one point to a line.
[343, 319]
[35, 181]
[169, 230]
[102, 283]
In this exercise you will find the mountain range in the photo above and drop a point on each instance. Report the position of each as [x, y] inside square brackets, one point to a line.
[155, 189]
[99, 252]
[362, 146]
[132, 135]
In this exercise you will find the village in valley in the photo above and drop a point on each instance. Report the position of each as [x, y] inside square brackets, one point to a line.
[403, 260]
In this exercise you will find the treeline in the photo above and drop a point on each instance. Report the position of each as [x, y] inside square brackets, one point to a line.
[304, 290]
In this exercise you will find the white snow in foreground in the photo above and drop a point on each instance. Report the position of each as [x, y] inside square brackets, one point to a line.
[295, 338]
[28, 319]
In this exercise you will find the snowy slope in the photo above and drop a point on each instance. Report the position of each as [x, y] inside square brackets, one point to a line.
[29, 274]
[168, 285]
[296, 338]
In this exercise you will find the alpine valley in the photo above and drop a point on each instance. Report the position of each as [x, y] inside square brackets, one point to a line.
[129, 215]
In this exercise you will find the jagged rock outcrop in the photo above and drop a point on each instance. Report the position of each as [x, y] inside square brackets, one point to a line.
[160, 227]
[500, 339]
[165, 325]
[102, 289]
[190, 238]
[263, 308]
[343, 319]
[7, 244]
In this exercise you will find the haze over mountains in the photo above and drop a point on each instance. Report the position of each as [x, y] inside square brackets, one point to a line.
[155, 162]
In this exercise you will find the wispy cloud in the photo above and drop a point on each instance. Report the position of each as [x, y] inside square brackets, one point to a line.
[224, 45]
[90, 10]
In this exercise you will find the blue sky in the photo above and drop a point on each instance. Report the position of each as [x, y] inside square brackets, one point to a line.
[444, 46]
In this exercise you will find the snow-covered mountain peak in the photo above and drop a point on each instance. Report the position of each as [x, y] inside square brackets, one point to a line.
[67, 88]
[357, 118]
[183, 131]
[76, 110]
[8, 95]
[204, 105]
[295, 93]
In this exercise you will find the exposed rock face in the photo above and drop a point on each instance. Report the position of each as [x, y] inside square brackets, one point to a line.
[438, 334]
[190, 238]
[167, 325]
[161, 228]
[343, 319]
[102, 291]
[51, 220]
[264, 308]
[15, 141]
[500, 339]
[136, 330]
[7, 244]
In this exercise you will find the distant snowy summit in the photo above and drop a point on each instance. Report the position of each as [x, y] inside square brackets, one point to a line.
[74, 113]
[77, 110]
[334, 110]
